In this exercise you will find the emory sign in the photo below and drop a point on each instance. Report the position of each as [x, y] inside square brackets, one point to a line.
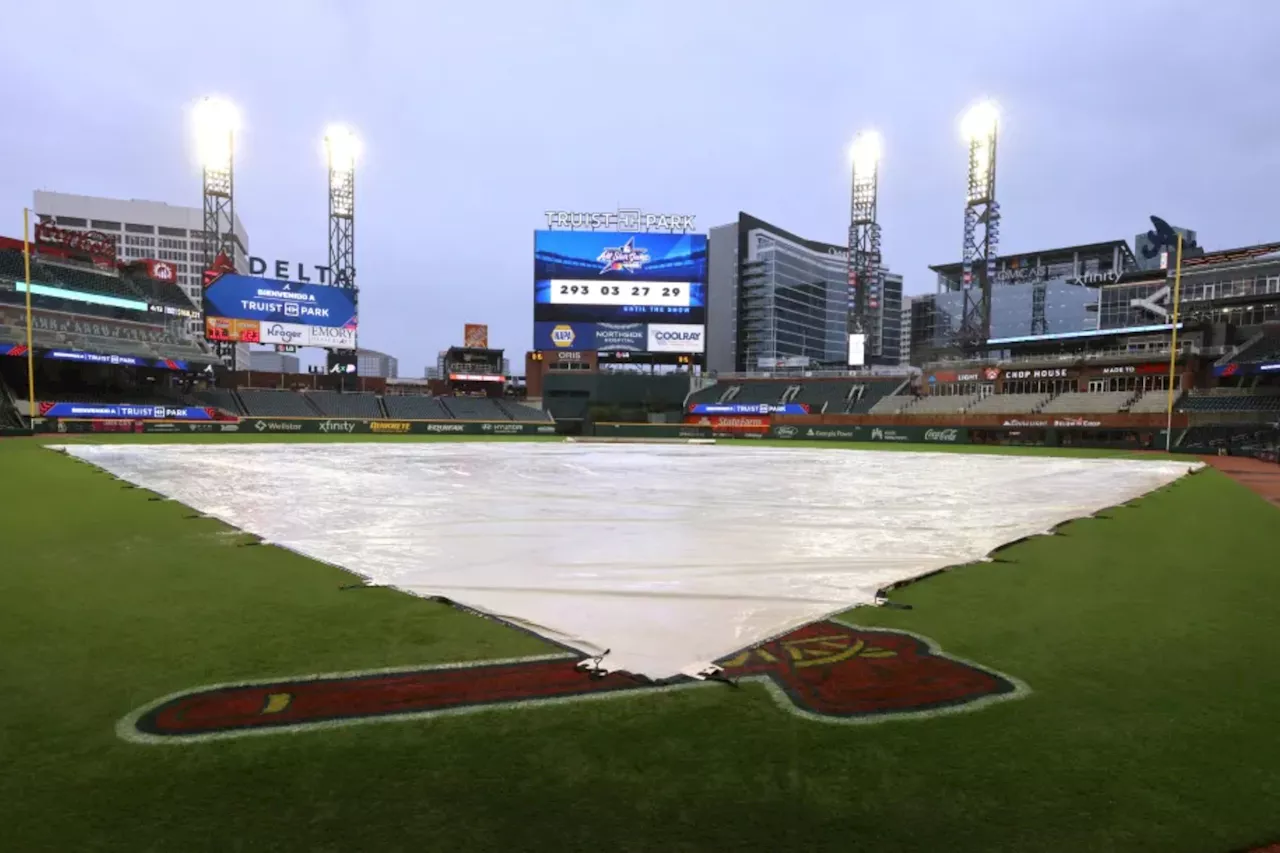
[623, 219]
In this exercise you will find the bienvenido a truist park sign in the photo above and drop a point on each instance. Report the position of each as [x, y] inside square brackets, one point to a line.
[623, 219]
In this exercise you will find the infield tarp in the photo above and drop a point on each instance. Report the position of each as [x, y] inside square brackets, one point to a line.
[670, 557]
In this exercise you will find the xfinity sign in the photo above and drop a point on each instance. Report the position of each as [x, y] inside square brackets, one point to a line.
[623, 219]
[673, 338]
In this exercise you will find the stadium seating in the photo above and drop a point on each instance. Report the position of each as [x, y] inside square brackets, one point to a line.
[521, 412]
[473, 408]
[1230, 400]
[346, 405]
[1264, 349]
[219, 398]
[1008, 404]
[1154, 402]
[891, 404]
[1084, 402]
[83, 280]
[285, 404]
[942, 404]
[415, 407]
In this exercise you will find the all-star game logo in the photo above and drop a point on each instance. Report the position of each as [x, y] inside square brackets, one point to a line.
[626, 257]
[827, 671]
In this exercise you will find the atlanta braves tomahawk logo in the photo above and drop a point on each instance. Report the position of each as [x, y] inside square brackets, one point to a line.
[626, 257]
[827, 671]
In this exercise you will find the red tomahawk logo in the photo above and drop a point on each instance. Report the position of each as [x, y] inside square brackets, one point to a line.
[826, 670]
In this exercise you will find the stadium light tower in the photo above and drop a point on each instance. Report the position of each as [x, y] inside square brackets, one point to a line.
[979, 127]
[864, 241]
[216, 122]
[342, 148]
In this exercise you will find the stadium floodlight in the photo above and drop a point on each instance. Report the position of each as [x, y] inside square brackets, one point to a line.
[863, 260]
[343, 147]
[216, 121]
[865, 152]
[980, 127]
[980, 121]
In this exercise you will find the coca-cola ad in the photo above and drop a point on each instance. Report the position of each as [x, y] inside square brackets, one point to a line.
[93, 243]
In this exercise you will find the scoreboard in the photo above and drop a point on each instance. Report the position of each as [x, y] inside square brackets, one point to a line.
[619, 292]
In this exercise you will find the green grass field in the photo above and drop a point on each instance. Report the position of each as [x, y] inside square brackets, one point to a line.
[1146, 637]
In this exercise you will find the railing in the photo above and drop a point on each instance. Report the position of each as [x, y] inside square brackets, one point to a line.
[875, 372]
[1096, 355]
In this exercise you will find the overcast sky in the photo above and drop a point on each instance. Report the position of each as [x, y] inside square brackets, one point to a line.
[477, 117]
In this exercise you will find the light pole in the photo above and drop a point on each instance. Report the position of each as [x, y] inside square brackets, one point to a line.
[979, 127]
[864, 239]
[216, 123]
[342, 147]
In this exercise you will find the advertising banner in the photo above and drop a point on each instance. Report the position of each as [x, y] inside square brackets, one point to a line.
[621, 337]
[730, 425]
[245, 297]
[906, 435]
[748, 409]
[332, 338]
[609, 430]
[671, 338]
[123, 411]
[617, 277]
[290, 334]
[475, 335]
[353, 426]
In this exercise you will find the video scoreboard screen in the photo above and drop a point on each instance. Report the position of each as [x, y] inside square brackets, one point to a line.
[619, 291]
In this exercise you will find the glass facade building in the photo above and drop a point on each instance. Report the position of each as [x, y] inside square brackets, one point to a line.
[776, 300]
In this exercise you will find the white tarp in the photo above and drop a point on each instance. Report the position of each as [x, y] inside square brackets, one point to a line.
[668, 556]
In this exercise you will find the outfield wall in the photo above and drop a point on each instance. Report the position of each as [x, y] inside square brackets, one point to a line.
[304, 426]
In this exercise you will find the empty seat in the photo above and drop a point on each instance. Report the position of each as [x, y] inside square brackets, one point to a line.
[1008, 404]
[219, 398]
[521, 412]
[280, 404]
[1083, 402]
[474, 408]
[415, 407]
[343, 405]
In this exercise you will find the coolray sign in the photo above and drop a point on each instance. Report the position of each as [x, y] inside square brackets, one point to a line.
[278, 426]
[283, 269]
[1041, 373]
[684, 339]
[338, 426]
[290, 334]
[623, 219]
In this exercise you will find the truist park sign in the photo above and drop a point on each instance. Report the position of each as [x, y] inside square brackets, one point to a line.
[623, 219]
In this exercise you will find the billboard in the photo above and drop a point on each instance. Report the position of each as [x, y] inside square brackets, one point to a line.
[241, 308]
[591, 337]
[666, 337]
[609, 277]
[475, 335]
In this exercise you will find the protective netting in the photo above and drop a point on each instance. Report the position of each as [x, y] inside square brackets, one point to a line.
[668, 557]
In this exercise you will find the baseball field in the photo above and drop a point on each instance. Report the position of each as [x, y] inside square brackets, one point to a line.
[171, 684]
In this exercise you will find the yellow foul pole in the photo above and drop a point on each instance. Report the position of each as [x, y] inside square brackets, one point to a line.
[1173, 347]
[31, 356]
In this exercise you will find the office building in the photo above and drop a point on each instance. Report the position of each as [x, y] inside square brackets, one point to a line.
[779, 301]
[265, 361]
[904, 332]
[146, 230]
[372, 363]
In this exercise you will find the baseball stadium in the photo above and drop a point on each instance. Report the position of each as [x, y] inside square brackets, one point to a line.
[1018, 596]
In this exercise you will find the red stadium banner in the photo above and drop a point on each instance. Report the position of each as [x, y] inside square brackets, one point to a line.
[733, 424]
[92, 243]
[162, 271]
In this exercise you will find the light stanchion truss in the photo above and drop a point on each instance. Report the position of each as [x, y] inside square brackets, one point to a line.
[981, 226]
[864, 259]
